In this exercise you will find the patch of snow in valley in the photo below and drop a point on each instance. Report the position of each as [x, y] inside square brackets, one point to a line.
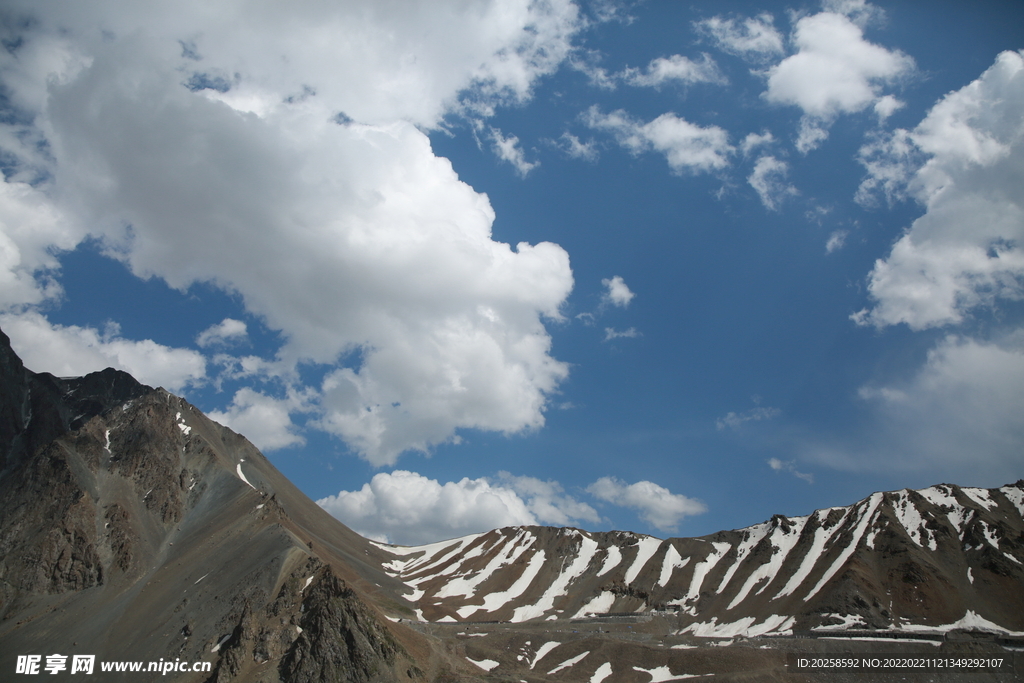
[466, 587]
[821, 537]
[751, 537]
[611, 560]
[850, 547]
[603, 672]
[485, 664]
[673, 560]
[543, 650]
[969, 622]
[238, 470]
[429, 554]
[702, 569]
[601, 604]
[220, 642]
[661, 674]
[569, 662]
[588, 548]
[848, 621]
[782, 542]
[494, 601]
[308, 581]
[645, 548]
[970, 576]
[745, 627]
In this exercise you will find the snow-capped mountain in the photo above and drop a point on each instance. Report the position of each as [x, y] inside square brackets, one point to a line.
[895, 560]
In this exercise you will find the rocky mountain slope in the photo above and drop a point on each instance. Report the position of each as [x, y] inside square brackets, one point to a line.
[900, 560]
[133, 528]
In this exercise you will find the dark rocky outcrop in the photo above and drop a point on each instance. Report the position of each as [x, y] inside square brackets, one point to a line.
[134, 528]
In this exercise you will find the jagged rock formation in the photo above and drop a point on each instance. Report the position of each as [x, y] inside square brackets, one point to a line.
[134, 528]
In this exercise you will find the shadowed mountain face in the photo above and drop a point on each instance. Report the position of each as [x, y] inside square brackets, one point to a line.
[133, 528]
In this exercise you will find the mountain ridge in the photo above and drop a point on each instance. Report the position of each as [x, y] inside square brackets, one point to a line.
[134, 527]
[905, 544]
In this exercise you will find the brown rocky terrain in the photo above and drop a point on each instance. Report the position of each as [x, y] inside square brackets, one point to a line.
[134, 528]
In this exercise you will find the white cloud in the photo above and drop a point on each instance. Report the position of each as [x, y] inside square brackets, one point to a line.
[860, 12]
[369, 246]
[577, 149]
[964, 252]
[508, 149]
[31, 230]
[611, 333]
[264, 420]
[769, 180]
[72, 351]
[753, 38]
[790, 466]
[618, 293]
[886, 106]
[675, 68]
[227, 331]
[548, 501]
[410, 509]
[958, 418]
[834, 71]
[736, 420]
[836, 241]
[657, 505]
[755, 140]
[687, 146]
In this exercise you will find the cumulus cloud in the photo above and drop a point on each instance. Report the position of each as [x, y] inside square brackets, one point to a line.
[965, 251]
[957, 418]
[263, 419]
[754, 38]
[769, 181]
[687, 146]
[31, 230]
[658, 506]
[618, 293]
[71, 351]
[410, 509]
[547, 500]
[294, 139]
[834, 71]
[227, 331]
[676, 68]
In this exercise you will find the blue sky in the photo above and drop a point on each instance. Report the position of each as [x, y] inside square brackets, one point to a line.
[666, 267]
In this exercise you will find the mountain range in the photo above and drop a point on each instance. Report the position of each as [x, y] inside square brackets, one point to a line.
[134, 528]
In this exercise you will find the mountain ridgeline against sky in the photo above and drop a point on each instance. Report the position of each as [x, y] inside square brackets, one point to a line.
[898, 560]
[132, 527]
